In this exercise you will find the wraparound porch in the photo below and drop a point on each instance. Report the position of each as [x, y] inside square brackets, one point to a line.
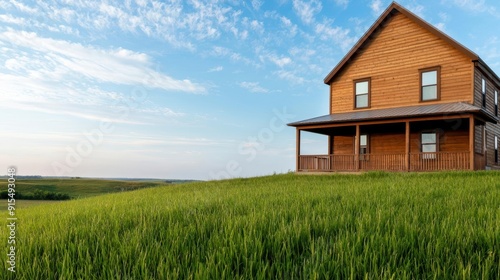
[446, 142]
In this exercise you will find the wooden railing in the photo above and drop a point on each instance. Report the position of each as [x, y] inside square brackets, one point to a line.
[439, 161]
[390, 162]
[327, 163]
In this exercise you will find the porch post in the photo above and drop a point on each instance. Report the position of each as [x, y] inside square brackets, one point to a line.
[471, 141]
[407, 147]
[356, 148]
[297, 149]
[330, 144]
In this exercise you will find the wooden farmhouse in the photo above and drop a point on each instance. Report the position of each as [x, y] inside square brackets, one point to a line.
[407, 97]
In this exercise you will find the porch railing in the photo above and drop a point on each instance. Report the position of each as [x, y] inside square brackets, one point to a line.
[390, 162]
[439, 161]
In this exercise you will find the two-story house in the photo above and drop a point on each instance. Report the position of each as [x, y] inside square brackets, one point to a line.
[407, 97]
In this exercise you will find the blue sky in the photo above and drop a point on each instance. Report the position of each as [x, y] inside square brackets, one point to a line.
[185, 89]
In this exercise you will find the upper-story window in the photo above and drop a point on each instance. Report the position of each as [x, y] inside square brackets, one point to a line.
[496, 103]
[483, 90]
[362, 93]
[429, 84]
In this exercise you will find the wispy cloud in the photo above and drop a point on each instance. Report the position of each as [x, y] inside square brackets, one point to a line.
[292, 28]
[417, 9]
[477, 6]
[253, 87]
[12, 19]
[234, 56]
[491, 52]
[342, 3]
[307, 10]
[376, 6]
[216, 69]
[290, 76]
[279, 61]
[118, 66]
[256, 4]
[65, 112]
[339, 35]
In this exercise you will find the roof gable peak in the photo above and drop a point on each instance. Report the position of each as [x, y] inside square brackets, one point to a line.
[389, 12]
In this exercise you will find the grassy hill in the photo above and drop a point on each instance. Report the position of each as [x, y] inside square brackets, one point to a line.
[374, 226]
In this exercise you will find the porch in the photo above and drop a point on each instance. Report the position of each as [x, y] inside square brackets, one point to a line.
[445, 141]
[438, 161]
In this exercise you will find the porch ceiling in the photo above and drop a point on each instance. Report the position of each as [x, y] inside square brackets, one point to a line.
[401, 112]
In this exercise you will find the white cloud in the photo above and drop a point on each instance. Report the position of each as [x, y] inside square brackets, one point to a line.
[342, 3]
[490, 52]
[24, 8]
[280, 61]
[256, 4]
[417, 9]
[440, 25]
[257, 26]
[234, 56]
[13, 20]
[306, 10]
[119, 66]
[304, 55]
[253, 87]
[376, 6]
[216, 69]
[290, 76]
[292, 28]
[477, 6]
[72, 113]
[336, 34]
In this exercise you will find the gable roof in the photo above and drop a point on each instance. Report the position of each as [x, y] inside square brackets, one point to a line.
[387, 14]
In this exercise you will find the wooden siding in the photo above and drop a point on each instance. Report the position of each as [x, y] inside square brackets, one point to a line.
[478, 139]
[392, 59]
[454, 141]
[492, 130]
[387, 143]
[490, 92]
[343, 145]
[449, 141]
[478, 97]
[394, 143]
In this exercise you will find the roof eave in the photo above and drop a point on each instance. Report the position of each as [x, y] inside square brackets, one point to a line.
[489, 70]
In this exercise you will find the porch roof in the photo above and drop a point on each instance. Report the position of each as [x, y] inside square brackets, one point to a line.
[400, 112]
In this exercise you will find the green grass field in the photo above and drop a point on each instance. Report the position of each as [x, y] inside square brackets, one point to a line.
[373, 226]
[84, 187]
[76, 188]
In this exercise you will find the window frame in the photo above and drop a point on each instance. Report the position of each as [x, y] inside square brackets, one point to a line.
[369, 80]
[429, 155]
[364, 156]
[438, 81]
[496, 149]
[496, 103]
[484, 89]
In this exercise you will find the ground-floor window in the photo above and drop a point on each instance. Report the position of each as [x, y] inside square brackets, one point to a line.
[363, 146]
[496, 150]
[429, 144]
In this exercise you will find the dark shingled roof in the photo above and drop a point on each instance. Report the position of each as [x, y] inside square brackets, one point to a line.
[400, 112]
